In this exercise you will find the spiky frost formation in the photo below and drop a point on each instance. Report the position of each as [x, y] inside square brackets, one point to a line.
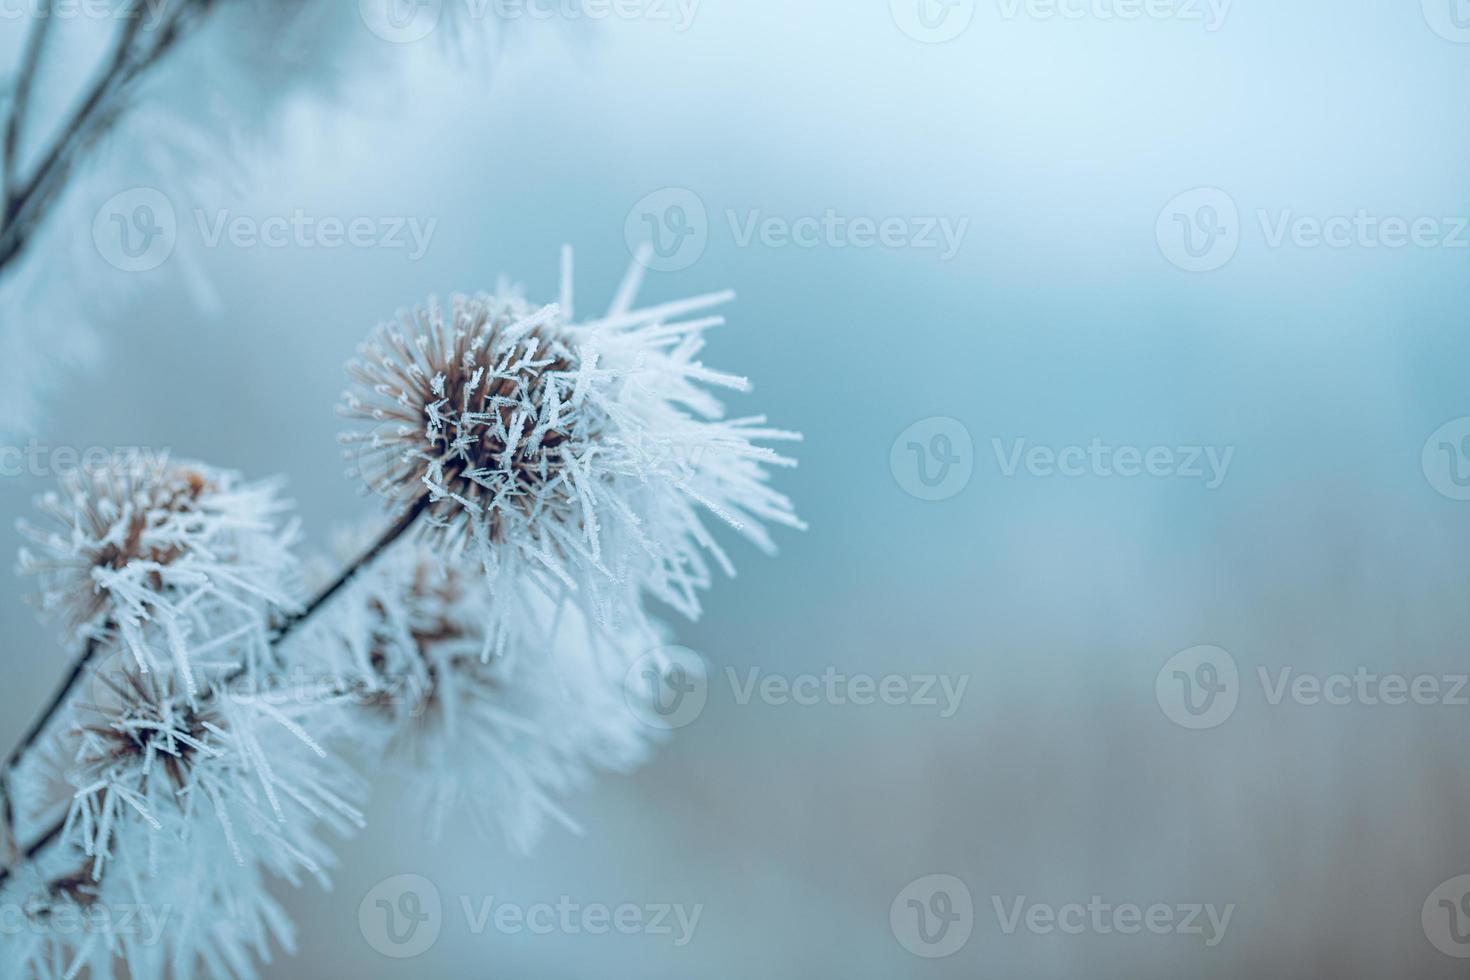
[572, 456]
[501, 739]
[180, 812]
[176, 560]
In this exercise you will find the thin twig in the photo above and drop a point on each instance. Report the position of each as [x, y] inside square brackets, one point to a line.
[37, 846]
[20, 101]
[26, 206]
[62, 693]
[393, 533]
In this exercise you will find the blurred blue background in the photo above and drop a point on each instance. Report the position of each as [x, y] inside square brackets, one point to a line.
[1061, 144]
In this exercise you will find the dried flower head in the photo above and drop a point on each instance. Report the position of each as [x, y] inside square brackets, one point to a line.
[181, 809]
[575, 456]
[157, 553]
[501, 739]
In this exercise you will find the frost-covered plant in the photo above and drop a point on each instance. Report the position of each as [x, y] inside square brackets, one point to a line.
[550, 479]
[164, 787]
[563, 456]
[500, 738]
[163, 556]
[181, 809]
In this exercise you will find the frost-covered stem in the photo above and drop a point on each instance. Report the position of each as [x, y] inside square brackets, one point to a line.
[26, 202]
[20, 99]
[37, 727]
[27, 740]
[36, 847]
[395, 531]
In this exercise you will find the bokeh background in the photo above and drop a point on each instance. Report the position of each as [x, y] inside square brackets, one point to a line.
[1065, 315]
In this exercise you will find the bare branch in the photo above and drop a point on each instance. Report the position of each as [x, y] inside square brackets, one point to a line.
[96, 112]
[30, 61]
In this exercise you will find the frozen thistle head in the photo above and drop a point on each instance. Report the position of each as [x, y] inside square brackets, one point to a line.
[465, 410]
[578, 456]
[181, 807]
[159, 553]
[246, 766]
[501, 739]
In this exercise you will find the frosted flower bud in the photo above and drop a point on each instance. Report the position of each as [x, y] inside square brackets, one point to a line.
[189, 806]
[580, 456]
[502, 739]
[156, 553]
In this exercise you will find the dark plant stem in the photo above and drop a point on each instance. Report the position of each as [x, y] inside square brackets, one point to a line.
[393, 533]
[26, 202]
[63, 691]
[281, 633]
[30, 61]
